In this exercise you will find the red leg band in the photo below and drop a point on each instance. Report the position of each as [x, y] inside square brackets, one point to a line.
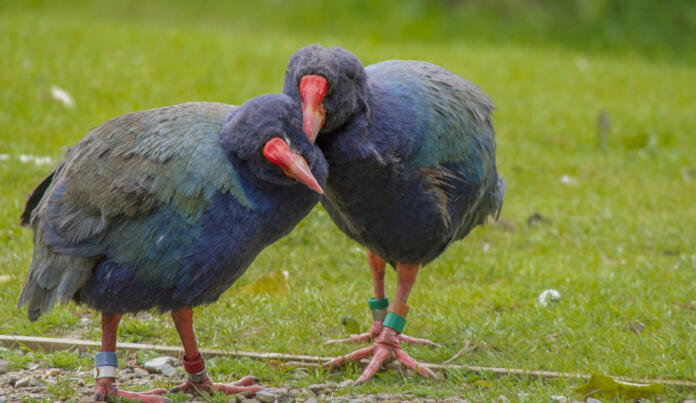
[194, 366]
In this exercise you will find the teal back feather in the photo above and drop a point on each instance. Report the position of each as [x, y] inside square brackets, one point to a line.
[167, 156]
[453, 123]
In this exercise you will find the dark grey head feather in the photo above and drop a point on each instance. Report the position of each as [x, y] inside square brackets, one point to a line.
[346, 93]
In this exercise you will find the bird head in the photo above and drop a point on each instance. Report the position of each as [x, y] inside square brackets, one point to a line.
[331, 83]
[266, 133]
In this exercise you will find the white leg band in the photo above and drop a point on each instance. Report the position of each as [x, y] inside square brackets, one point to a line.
[105, 372]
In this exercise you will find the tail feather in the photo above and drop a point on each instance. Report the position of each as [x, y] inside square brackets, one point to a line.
[35, 197]
[499, 195]
[32, 296]
[53, 278]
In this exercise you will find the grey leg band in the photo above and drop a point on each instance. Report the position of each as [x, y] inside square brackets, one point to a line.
[198, 377]
[379, 314]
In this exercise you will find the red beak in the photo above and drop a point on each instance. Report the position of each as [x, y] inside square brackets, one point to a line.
[278, 152]
[312, 91]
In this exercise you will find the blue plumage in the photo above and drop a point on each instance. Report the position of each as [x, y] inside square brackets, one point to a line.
[411, 150]
[165, 208]
[411, 153]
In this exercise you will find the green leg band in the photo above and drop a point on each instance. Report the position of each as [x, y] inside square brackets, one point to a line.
[394, 321]
[378, 307]
[375, 303]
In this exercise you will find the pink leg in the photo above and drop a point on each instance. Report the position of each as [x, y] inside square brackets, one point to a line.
[107, 387]
[387, 344]
[377, 266]
[199, 381]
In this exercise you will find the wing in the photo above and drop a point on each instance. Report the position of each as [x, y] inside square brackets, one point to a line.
[452, 116]
[134, 187]
[135, 163]
[453, 140]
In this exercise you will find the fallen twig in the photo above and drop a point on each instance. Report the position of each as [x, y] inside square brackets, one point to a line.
[48, 344]
[467, 347]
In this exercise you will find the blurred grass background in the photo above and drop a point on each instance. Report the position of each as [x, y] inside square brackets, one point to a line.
[646, 27]
[615, 194]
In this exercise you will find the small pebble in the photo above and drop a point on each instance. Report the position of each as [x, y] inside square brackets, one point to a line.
[317, 387]
[548, 296]
[161, 365]
[559, 399]
[4, 366]
[24, 382]
[345, 384]
[300, 373]
[53, 371]
[592, 400]
[568, 180]
[265, 396]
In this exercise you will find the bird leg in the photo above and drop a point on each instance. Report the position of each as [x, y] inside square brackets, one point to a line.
[377, 266]
[387, 345]
[107, 368]
[199, 381]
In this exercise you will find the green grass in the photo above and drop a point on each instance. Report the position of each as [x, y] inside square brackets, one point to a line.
[620, 245]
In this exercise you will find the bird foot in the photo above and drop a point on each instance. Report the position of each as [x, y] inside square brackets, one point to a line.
[244, 385]
[386, 348]
[375, 331]
[107, 388]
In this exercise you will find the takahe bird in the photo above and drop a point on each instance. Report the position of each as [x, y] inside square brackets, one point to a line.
[165, 209]
[411, 153]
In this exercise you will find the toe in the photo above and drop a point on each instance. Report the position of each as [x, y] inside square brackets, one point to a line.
[407, 360]
[415, 340]
[353, 339]
[352, 357]
[380, 355]
[246, 381]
